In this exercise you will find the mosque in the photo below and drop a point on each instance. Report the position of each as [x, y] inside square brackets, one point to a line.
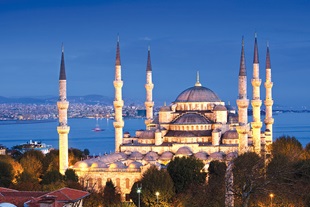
[198, 123]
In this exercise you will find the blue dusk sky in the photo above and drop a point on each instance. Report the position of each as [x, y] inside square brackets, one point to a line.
[184, 36]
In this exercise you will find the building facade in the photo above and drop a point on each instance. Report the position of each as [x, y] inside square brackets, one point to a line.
[198, 123]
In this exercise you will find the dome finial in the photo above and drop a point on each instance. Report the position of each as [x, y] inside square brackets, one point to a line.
[197, 82]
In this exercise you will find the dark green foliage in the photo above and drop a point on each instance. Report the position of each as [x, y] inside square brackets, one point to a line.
[51, 161]
[27, 182]
[6, 174]
[216, 184]
[186, 171]
[249, 177]
[287, 146]
[52, 177]
[70, 175]
[86, 152]
[152, 181]
[110, 197]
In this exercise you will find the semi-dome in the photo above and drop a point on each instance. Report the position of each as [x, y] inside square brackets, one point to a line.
[198, 94]
[185, 151]
[192, 118]
[201, 155]
[231, 134]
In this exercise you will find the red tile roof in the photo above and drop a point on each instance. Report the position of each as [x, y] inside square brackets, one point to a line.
[68, 194]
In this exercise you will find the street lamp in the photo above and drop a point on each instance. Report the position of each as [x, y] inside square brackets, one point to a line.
[157, 194]
[271, 195]
[139, 190]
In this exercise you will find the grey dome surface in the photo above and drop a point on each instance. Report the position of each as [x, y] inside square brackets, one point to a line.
[220, 108]
[166, 156]
[198, 94]
[201, 155]
[230, 134]
[184, 151]
[192, 118]
[135, 165]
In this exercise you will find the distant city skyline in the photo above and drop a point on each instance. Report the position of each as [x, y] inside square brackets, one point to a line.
[184, 36]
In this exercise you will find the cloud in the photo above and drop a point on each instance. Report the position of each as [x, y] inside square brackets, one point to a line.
[146, 38]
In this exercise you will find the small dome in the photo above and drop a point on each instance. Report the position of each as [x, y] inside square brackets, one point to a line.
[151, 156]
[99, 164]
[135, 165]
[219, 108]
[231, 156]
[185, 151]
[201, 155]
[192, 118]
[230, 134]
[147, 134]
[166, 156]
[165, 108]
[117, 165]
[198, 94]
[216, 156]
[7, 205]
[81, 164]
[136, 156]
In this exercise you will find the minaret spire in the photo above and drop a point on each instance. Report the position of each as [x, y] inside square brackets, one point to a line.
[63, 128]
[256, 102]
[243, 103]
[149, 104]
[197, 79]
[268, 101]
[118, 101]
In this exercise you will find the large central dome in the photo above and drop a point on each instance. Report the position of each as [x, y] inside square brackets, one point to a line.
[198, 94]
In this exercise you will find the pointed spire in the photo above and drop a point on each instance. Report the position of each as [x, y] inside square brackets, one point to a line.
[149, 65]
[62, 75]
[255, 60]
[242, 71]
[268, 65]
[118, 55]
[197, 82]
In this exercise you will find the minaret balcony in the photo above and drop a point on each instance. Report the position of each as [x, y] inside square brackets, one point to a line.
[256, 103]
[62, 105]
[269, 120]
[118, 124]
[268, 84]
[256, 125]
[118, 104]
[149, 86]
[256, 82]
[63, 129]
[149, 104]
[268, 102]
[118, 84]
[243, 103]
[243, 129]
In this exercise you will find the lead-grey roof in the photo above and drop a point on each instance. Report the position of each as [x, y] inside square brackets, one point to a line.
[197, 94]
[192, 118]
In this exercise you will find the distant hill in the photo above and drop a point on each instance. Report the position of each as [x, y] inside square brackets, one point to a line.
[87, 99]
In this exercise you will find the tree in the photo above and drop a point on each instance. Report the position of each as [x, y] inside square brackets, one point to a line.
[186, 171]
[287, 146]
[152, 181]
[215, 195]
[52, 177]
[6, 174]
[27, 182]
[32, 162]
[110, 197]
[16, 167]
[51, 161]
[249, 177]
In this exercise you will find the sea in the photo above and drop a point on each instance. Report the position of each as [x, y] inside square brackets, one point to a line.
[82, 136]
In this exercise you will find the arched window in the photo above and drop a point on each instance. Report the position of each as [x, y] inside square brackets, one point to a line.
[118, 182]
[127, 183]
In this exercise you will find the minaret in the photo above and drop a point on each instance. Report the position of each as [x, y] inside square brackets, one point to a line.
[118, 101]
[149, 91]
[268, 101]
[243, 104]
[256, 102]
[63, 128]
